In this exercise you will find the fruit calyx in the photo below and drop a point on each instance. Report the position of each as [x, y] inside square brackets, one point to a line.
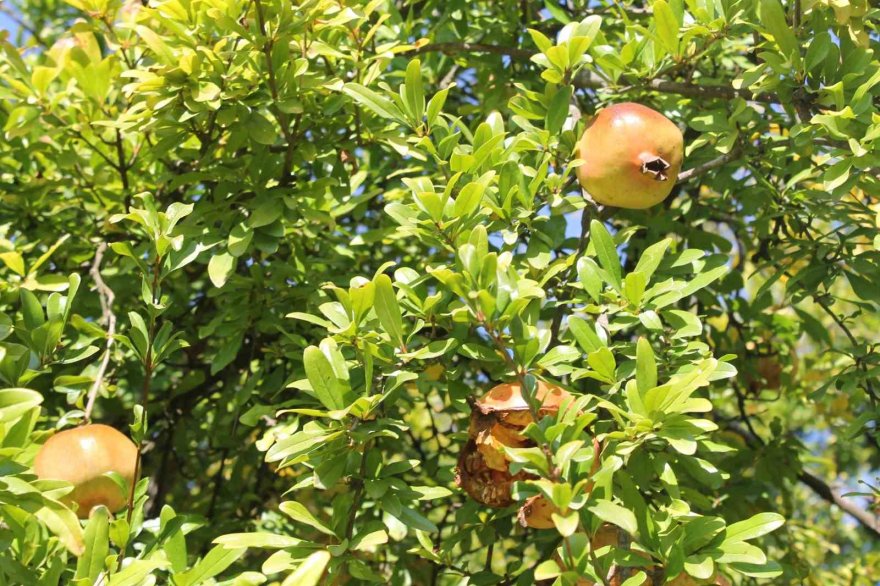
[655, 166]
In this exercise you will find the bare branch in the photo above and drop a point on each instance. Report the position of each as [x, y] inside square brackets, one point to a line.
[450, 48]
[823, 490]
[589, 80]
[826, 492]
[709, 165]
[106, 297]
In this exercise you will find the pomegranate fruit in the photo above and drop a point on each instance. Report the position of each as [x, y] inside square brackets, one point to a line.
[82, 456]
[536, 513]
[632, 156]
[497, 421]
[501, 414]
[483, 484]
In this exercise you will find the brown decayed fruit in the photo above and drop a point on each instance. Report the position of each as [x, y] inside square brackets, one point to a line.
[497, 421]
[483, 484]
[82, 456]
[507, 400]
[606, 535]
[632, 156]
[491, 435]
[536, 513]
[770, 370]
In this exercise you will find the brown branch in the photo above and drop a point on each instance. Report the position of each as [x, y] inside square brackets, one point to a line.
[33, 32]
[589, 80]
[709, 165]
[122, 168]
[869, 386]
[833, 496]
[283, 121]
[106, 297]
[823, 490]
[450, 48]
[586, 215]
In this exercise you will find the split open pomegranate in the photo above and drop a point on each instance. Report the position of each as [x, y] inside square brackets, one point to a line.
[497, 421]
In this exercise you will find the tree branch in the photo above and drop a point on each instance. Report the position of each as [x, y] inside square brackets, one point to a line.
[823, 490]
[589, 80]
[450, 48]
[709, 165]
[106, 297]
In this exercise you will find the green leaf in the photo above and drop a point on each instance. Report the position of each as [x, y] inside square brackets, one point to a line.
[766, 571]
[773, 18]
[667, 26]
[616, 515]
[31, 310]
[606, 252]
[62, 522]
[703, 280]
[651, 259]
[584, 334]
[435, 106]
[239, 239]
[556, 12]
[557, 111]
[634, 287]
[261, 130]
[415, 92]
[14, 261]
[388, 309]
[646, 367]
[414, 519]
[214, 562]
[637, 579]
[301, 514]
[220, 267]
[134, 573]
[16, 402]
[378, 104]
[97, 543]
[547, 570]
[310, 571]
[257, 540]
[589, 277]
[322, 378]
[469, 199]
[756, 526]
[602, 361]
[175, 544]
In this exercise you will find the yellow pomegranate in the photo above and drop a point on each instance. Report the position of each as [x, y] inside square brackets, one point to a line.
[632, 156]
[82, 456]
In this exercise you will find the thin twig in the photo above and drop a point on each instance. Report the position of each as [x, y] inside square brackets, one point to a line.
[709, 165]
[586, 215]
[474, 48]
[283, 121]
[106, 297]
[590, 80]
[869, 386]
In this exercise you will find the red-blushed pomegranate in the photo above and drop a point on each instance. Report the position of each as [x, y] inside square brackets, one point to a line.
[82, 456]
[632, 156]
